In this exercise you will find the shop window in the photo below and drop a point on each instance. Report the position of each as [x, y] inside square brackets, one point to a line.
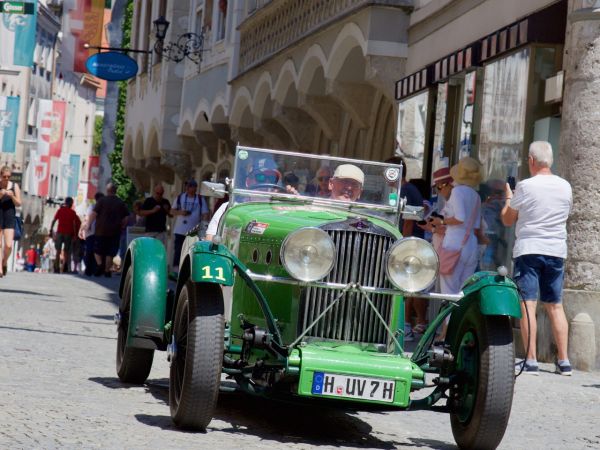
[411, 132]
[504, 105]
[440, 157]
[544, 117]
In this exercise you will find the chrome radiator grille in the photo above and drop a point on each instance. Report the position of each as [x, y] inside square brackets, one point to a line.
[360, 259]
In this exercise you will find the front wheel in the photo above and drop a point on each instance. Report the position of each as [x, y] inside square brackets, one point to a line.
[195, 374]
[481, 399]
[133, 364]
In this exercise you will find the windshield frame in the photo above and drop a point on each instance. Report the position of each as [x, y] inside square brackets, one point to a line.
[393, 212]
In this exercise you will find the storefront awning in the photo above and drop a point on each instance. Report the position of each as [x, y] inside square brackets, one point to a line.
[545, 26]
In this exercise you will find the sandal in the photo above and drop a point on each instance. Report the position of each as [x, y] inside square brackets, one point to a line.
[420, 328]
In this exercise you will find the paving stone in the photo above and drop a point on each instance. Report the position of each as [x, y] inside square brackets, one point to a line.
[59, 389]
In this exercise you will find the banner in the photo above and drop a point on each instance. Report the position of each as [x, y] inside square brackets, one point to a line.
[51, 127]
[94, 165]
[84, 20]
[9, 120]
[37, 174]
[71, 175]
[17, 32]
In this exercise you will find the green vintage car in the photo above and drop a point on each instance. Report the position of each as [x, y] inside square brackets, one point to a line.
[299, 295]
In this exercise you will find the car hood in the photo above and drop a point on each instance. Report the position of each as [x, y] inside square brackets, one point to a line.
[277, 220]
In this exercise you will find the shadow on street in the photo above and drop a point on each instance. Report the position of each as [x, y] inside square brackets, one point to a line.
[277, 421]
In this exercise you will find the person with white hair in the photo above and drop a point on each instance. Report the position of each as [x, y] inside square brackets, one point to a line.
[540, 207]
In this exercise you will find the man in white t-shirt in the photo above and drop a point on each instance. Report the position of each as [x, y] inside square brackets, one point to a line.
[540, 207]
[189, 209]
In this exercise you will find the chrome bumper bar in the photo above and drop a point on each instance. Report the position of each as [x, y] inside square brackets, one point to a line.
[355, 287]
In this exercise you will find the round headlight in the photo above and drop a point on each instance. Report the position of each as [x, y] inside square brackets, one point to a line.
[308, 254]
[412, 264]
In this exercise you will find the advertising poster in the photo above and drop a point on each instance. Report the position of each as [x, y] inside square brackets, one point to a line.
[94, 165]
[17, 32]
[9, 120]
[84, 20]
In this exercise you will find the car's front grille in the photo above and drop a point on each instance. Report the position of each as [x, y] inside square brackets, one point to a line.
[360, 259]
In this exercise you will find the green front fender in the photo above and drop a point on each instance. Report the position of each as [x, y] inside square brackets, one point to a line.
[497, 295]
[211, 263]
[147, 258]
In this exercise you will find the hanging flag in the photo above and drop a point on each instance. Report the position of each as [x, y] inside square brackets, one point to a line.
[51, 127]
[71, 174]
[17, 32]
[94, 173]
[9, 120]
[83, 19]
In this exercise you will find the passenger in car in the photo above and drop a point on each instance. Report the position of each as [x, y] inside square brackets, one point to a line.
[347, 183]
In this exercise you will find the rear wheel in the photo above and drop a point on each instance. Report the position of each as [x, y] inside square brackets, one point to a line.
[133, 364]
[195, 374]
[481, 400]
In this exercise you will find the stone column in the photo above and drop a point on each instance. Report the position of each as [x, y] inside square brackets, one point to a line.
[580, 159]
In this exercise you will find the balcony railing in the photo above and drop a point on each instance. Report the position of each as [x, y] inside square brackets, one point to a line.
[280, 24]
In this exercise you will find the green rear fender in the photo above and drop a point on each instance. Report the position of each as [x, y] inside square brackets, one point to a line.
[148, 260]
[211, 264]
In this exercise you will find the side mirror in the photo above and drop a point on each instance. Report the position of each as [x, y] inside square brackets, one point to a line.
[413, 212]
[209, 189]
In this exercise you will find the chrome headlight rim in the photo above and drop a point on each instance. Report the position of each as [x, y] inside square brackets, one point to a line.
[290, 236]
[402, 241]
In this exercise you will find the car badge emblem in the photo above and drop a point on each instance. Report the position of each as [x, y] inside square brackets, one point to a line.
[391, 174]
[360, 224]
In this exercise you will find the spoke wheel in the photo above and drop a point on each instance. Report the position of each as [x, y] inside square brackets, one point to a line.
[481, 399]
[133, 364]
[195, 374]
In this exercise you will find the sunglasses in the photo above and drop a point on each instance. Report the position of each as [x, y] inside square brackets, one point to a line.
[439, 187]
[263, 178]
[348, 183]
[324, 178]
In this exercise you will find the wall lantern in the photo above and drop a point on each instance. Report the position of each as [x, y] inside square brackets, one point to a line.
[187, 45]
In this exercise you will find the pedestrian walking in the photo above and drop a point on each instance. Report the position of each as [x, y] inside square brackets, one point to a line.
[462, 218]
[110, 217]
[47, 251]
[155, 210]
[67, 229]
[30, 258]
[86, 232]
[10, 198]
[189, 210]
[540, 207]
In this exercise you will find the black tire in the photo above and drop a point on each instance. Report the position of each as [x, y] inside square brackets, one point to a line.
[481, 402]
[133, 364]
[195, 374]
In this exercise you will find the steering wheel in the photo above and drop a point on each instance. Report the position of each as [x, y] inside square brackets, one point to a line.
[269, 186]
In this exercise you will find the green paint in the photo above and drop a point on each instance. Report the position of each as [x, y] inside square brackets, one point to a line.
[211, 264]
[148, 260]
[353, 361]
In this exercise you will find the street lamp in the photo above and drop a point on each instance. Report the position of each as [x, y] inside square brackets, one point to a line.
[187, 45]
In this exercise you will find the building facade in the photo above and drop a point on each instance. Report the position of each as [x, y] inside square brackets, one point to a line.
[47, 180]
[433, 80]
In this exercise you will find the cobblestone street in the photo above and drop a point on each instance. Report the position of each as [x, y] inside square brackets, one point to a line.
[58, 389]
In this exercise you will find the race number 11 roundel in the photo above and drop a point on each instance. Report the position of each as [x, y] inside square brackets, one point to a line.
[112, 66]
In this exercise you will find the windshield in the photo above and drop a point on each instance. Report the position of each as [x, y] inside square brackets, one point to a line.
[267, 175]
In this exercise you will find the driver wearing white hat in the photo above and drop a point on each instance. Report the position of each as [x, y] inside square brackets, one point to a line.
[347, 183]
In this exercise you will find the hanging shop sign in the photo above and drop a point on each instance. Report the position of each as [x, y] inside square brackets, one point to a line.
[112, 66]
[17, 7]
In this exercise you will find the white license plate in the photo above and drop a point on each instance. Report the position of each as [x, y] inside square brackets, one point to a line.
[353, 387]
